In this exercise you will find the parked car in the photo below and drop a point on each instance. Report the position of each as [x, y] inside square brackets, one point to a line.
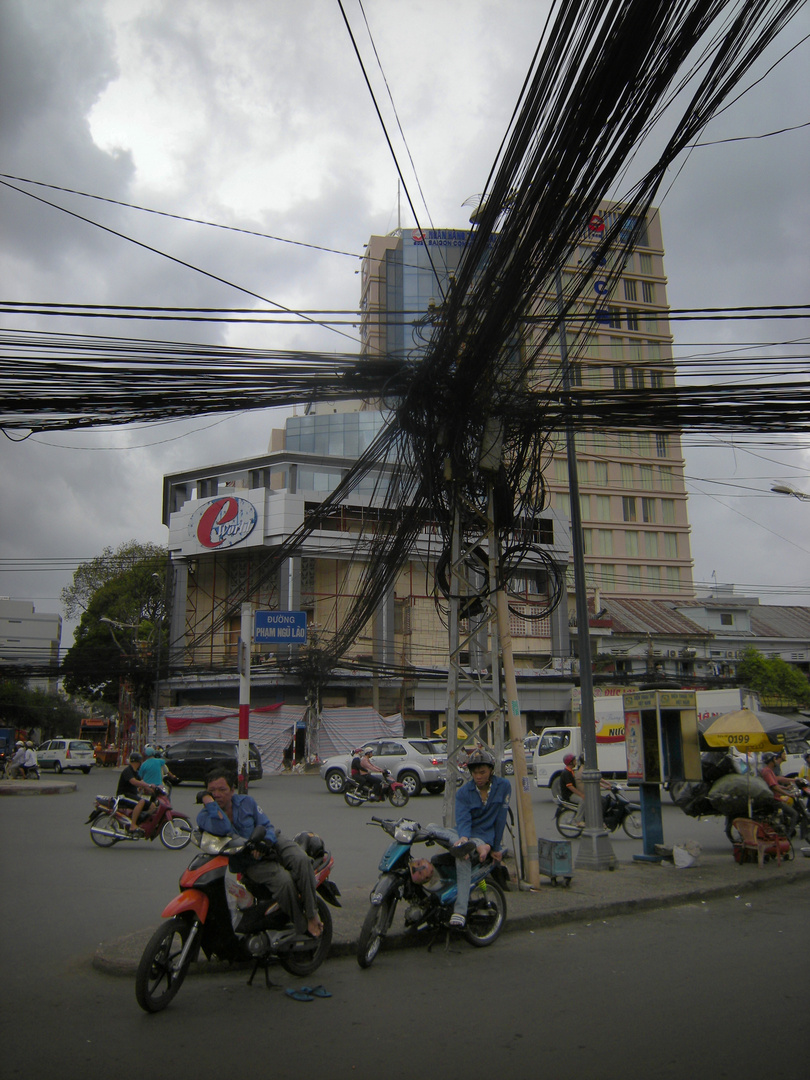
[416, 763]
[61, 754]
[193, 759]
[529, 744]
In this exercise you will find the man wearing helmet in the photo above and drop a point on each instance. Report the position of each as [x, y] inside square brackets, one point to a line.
[16, 767]
[481, 808]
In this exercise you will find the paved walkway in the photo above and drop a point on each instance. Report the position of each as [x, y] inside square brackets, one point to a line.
[631, 887]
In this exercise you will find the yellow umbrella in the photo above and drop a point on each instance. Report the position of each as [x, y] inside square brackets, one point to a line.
[744, 730]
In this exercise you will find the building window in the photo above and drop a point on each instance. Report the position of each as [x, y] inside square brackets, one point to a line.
[726, 618]
[651, 545]
[587, 541]
[600, 473]
[631, 544]
[646, 476]
[674, 577]
[628, 476]
[632, 319]
[657, 380]
[662, 445]
[634, 578]
[608, 574]
[614, 318]
[670, 545]
[644, 444]
[654, 578]
[647, 292]
[603, 508]
[207, 488]
[648, 511]
[630, 290]
[666, 477]
[668, 511]
[638, 378]
[625, 445]
[619, 378]
[628, 508]
[645, 264]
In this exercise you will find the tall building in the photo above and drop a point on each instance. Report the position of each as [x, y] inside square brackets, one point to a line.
[632, 490]
[29, 639]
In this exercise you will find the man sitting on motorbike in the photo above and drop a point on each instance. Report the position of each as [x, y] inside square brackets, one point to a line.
[286, 873]
[371, 775]
[16, 767]
[781, 789]
[131, 786]
[481, 808]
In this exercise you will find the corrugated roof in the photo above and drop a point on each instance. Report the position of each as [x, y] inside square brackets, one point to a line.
[777, 621]
[650, 617]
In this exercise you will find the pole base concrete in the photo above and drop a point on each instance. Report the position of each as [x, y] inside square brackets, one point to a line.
[595, 851]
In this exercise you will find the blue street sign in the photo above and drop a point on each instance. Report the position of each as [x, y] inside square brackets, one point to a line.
[280, 628]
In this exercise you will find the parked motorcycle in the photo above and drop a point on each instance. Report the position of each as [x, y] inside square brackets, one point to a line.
[617, 810]
[355, 793]
[233, 922]
[109, 821]
[426, 910]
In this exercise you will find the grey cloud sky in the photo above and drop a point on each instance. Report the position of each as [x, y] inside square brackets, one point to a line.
[257, 116]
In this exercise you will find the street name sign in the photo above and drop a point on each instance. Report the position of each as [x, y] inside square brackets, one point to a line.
[280, 628]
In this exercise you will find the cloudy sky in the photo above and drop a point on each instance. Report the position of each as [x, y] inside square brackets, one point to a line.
[256, 116]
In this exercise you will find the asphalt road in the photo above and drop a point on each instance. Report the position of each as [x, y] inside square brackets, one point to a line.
[690, 991]
[63, 896]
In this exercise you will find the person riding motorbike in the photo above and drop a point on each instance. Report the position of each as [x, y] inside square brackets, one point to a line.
[154, 769]
[133, 787]
[371, 775]
[781, 789]
[287, 871]
[16, 767]
[30, 761]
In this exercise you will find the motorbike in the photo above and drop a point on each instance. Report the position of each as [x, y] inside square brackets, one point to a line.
[426, 910]
[617, 810]
[110, 817]
[233, 921]
[355, 793]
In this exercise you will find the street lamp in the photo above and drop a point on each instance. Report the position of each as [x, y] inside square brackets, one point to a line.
[785, 489]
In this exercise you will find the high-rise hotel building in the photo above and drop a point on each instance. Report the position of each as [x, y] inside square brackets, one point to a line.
[632, 491]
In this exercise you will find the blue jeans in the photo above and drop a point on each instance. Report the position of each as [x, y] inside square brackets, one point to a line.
[463, 866]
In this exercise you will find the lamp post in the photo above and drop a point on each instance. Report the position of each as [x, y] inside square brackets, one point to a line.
[786, 489]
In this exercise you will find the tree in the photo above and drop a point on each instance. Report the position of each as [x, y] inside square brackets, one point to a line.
[122, 596]
[37, 711]
[775, 680]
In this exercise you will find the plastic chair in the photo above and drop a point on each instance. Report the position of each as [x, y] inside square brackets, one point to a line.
[761, 839]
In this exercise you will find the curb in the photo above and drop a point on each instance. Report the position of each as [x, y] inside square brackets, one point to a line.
[121, 956]
[37, 787]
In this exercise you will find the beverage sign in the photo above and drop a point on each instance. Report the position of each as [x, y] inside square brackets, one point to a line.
[223, 522]
[280, 628]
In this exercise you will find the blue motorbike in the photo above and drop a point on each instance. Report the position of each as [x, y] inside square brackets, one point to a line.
[429, 908]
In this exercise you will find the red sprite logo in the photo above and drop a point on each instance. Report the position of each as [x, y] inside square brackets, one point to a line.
[223, 522]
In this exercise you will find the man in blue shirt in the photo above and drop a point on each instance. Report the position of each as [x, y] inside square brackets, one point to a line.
[225, 813]
[482, 805]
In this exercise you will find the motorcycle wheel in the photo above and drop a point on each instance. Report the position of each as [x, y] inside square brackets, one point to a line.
[351, 798]
[375, 925]
[486, 914]
[157, 980]
[398, 797]
[632, 823]
[109, 822]
[566, 826]
[175, 834]
[304, 963]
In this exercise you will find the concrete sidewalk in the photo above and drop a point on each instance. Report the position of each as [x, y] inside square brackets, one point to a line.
[629, 888]
[57, 786]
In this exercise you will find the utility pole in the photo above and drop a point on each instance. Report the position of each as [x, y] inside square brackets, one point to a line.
[595, 850]
[245, 639]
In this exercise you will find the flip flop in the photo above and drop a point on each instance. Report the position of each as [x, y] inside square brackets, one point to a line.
[299, 995]
[316, 991]
[461, 851]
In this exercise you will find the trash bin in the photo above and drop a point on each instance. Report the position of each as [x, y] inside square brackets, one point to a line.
[554, 857]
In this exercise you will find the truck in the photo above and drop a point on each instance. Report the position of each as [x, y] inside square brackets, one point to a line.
[555, 742]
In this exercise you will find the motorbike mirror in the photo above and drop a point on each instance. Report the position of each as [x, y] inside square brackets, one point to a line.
[258, 834]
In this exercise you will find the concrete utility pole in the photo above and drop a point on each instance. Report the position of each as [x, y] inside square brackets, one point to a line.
[245, 639]
[595, 850]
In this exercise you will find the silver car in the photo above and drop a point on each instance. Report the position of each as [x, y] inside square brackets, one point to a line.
[416, 763]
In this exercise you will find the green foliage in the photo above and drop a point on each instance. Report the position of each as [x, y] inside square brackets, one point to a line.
[776, 681]
[29, 710]
[122, 596]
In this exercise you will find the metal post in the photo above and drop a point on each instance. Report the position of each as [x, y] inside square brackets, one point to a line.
[245, 639]
[595, 850]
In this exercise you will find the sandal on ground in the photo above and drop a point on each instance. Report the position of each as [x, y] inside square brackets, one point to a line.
[316, 991]
[298, 995]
